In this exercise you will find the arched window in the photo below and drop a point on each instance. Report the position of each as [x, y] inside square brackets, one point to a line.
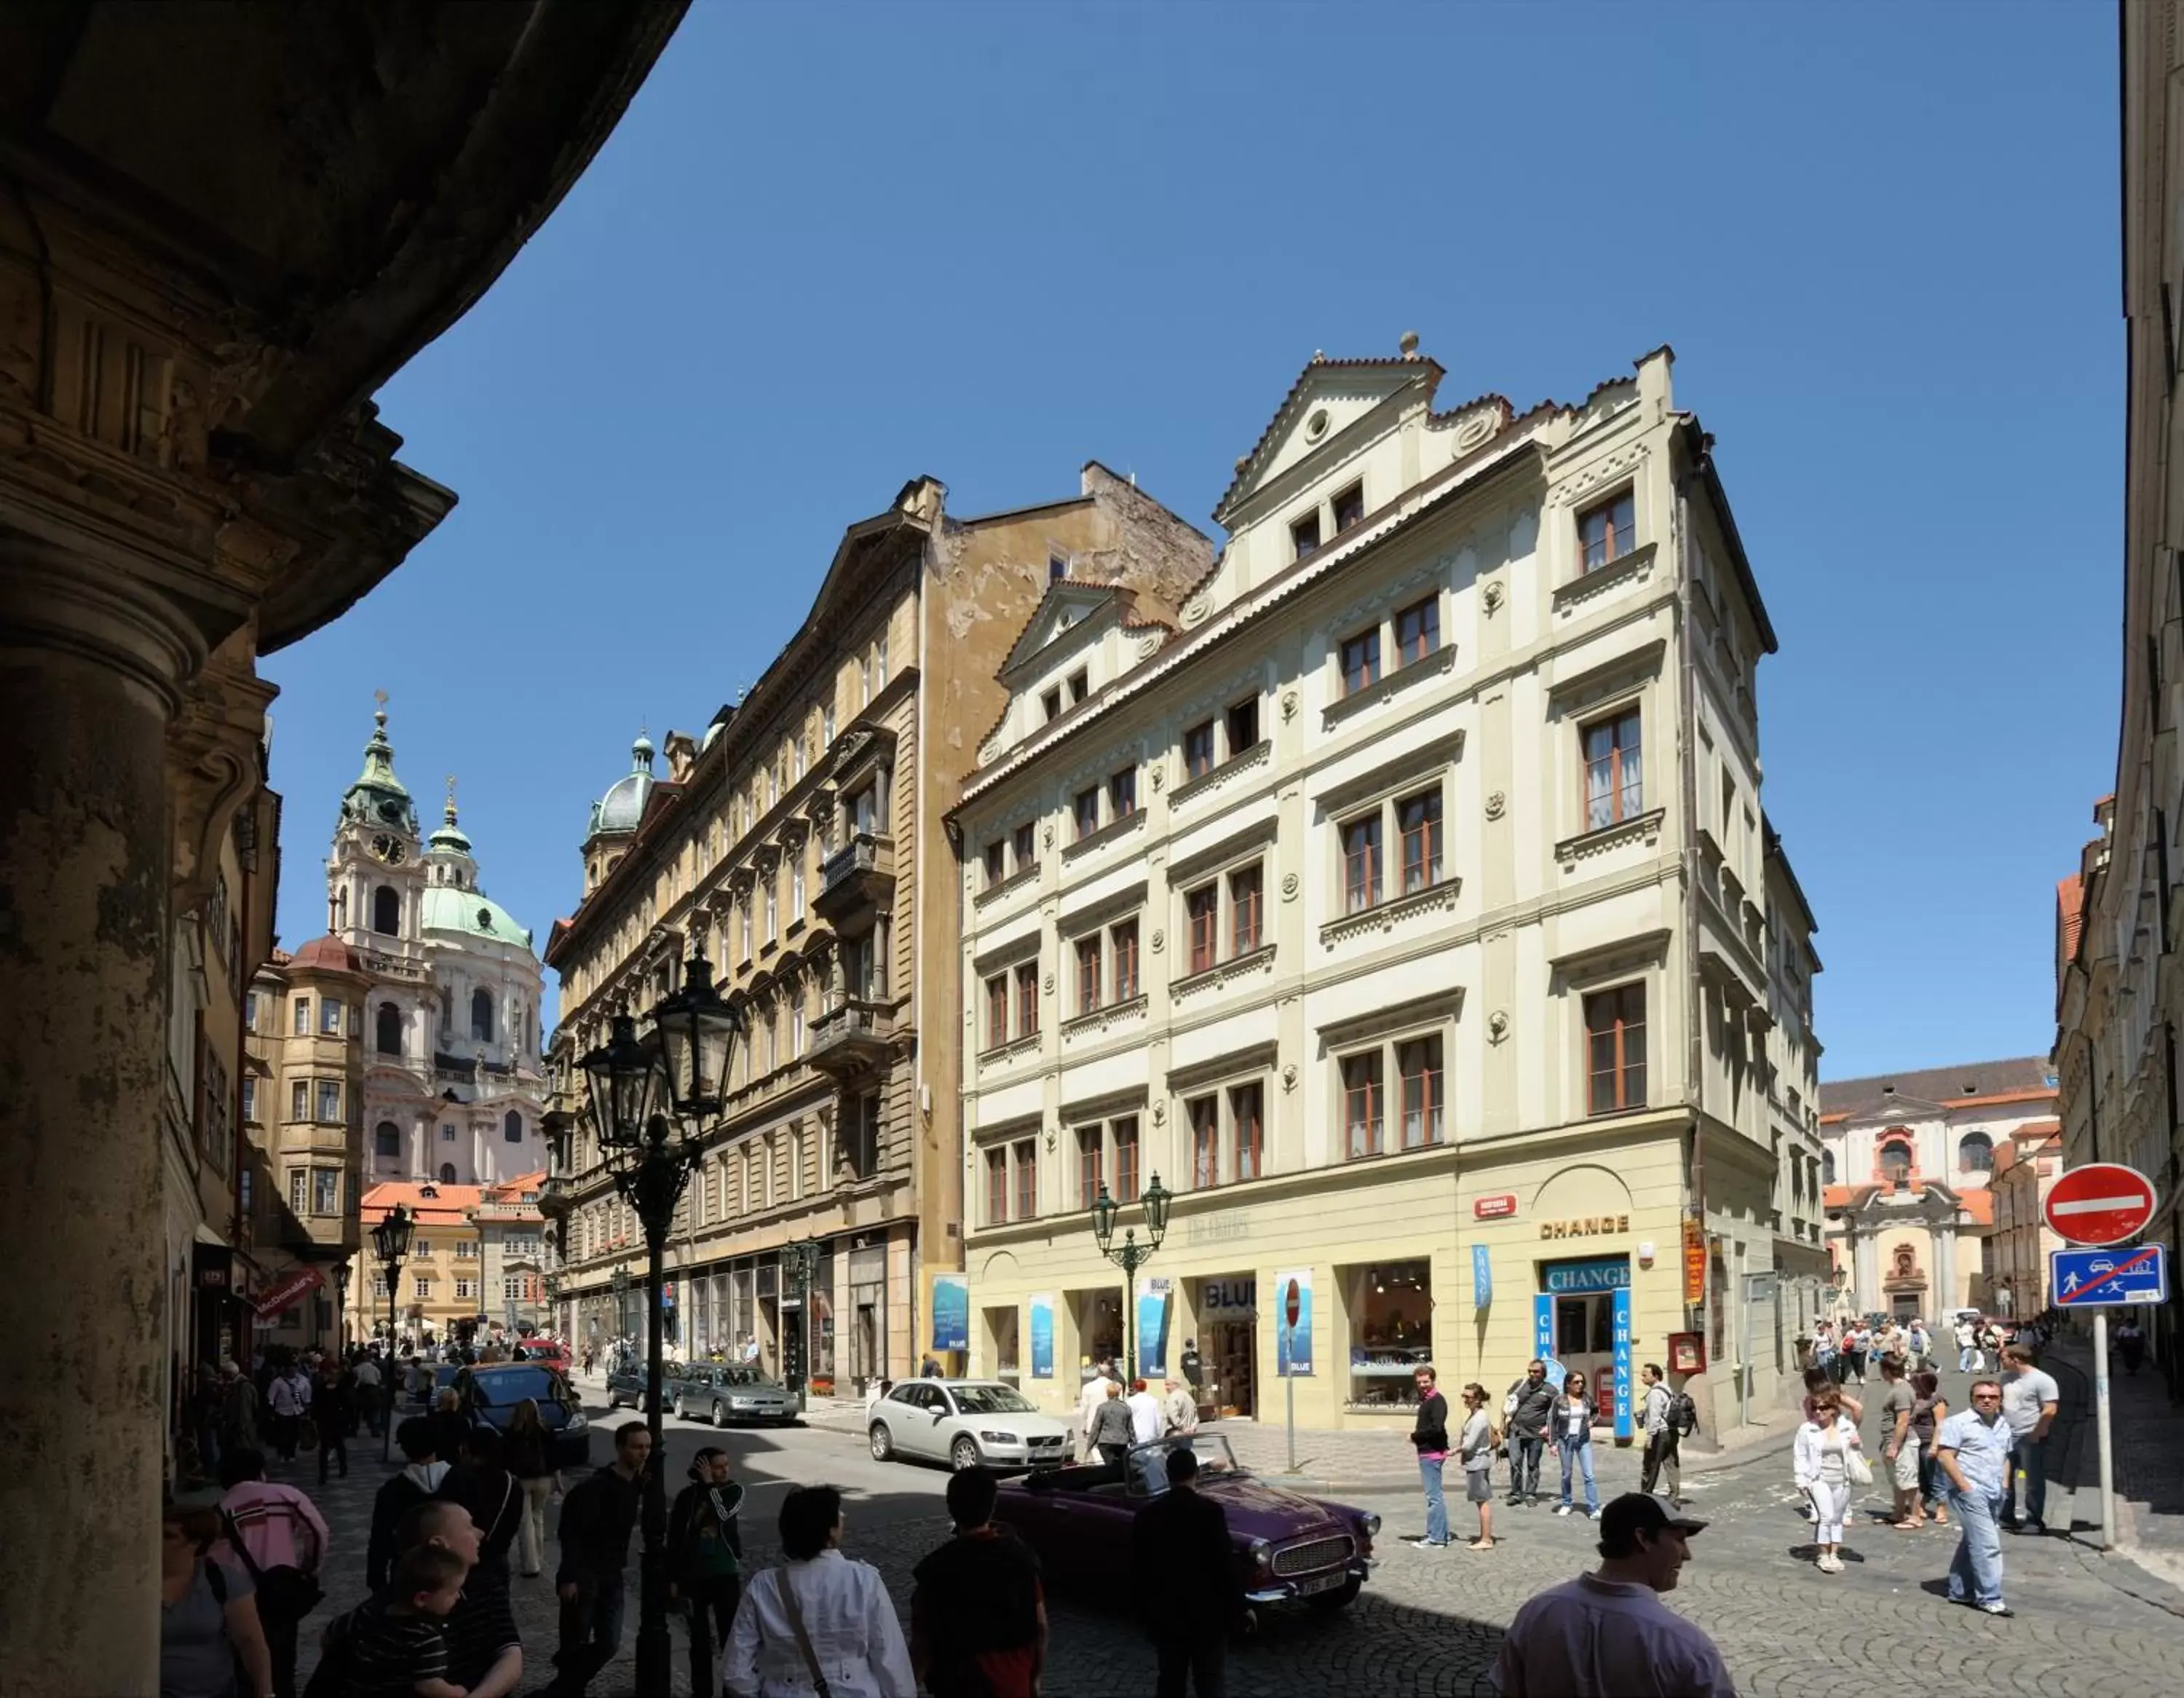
[1827, 1167]
[481, 1015]
[447, 1173]
[389, 1021]
[386, 910]
[387, 1140]
[1896, 1161]
[1975, 1153]
[512, 1128]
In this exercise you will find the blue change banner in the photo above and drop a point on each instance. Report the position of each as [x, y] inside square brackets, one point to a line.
[951, 1312]
[1623, 1360]
[1042, 1336]
[1543, 1327]
[1482, 1276]
[1152, 1327]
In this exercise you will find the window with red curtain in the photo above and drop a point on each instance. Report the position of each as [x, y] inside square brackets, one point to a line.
[1418, 631]
[1419, 817]
[1088, 1153]
[1088, 973]
[1124, 941]
[1201, 907]
[1026, 998]
[997, 1010]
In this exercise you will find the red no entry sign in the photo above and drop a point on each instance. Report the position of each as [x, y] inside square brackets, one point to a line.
[2103, 1204]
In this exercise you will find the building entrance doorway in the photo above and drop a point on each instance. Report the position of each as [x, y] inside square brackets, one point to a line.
[1584, 1344]
[999, 1343]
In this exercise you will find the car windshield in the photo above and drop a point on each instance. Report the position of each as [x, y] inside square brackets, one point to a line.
[506, 1387]
[1148, 1469]
[992, 1401]
[741, 1377]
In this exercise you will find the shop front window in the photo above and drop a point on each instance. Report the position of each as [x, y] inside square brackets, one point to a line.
[1390, 1312]
[1099, 1328]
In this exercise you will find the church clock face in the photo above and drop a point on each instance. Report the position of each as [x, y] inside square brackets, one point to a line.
[387, 849]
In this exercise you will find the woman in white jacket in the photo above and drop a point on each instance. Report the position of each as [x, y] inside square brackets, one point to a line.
[819, 1616]
[1823, 1452]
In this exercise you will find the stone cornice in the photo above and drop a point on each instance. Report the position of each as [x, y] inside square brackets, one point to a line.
[1386, 916]
[1644, 828]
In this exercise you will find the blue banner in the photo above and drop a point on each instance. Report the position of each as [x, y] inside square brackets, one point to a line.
[1543, 1328]
[1609, 1273]
[1292, 1338]
[951, 1312]
[1482, 1276]
[1152, 1327]
[1042, 1336]
[1623, 1360]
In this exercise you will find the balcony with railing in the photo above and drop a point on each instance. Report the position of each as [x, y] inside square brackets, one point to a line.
[852, 1037]
[857, 880]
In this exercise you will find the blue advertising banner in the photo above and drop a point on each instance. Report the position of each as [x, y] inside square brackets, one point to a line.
[1482, 1276]
[1042, 1336]
[951, 1312]
[1623, 1360]
[1152, 1326]
[1543, 1328]
[1293, 1324]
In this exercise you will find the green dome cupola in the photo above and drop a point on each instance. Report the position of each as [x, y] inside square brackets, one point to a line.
[378, 800]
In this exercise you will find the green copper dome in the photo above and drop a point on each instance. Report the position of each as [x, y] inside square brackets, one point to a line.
[448, 908]
[378, 798]
[449, 839]
[623, 805]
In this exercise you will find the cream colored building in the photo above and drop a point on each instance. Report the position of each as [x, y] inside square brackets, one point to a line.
[803, 841]
[1406, 908]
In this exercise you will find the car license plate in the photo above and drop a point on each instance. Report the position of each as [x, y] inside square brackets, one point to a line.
[1320, 1583]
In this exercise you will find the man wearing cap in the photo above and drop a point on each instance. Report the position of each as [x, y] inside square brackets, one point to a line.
[1607, 1635]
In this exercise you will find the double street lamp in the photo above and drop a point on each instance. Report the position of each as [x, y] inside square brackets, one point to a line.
[390, 1242]
[799, 1260]
[1130, 1255]
[640, 1090]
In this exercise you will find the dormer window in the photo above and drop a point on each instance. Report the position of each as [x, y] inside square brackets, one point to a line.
[1050, 703]
[1349, 507]
[1057, 568]
[1608, 531]
[1304, 534]
[1080, 685]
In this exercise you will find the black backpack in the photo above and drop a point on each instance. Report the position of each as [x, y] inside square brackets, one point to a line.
[336, 1661]
[1683, 1413]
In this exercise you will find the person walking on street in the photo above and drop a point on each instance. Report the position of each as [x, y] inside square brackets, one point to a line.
[482, 1484]
[1607, 1635]
[528, 1451]
[1973, 1447]
[2129, 1344]
[418, 1481]
[288, 1400]
[978, 1612]
[2030, 1398]
[1179, 1409]
[1821, 1455]
[1527, 1411]
[1899, 1444]
[705, 1558]
[1193, 1368]
[278, 1538]
[1476, 1448]
[1110, 1434]
[330, 1404]
[1969, 1361]
[208, 1625]
[597, 1518]
[370, 1386]
[1663, 1438]
[1572, 1442]
[820, 1623]
[1430, 1439]
[1144, 1414]
[1929, 1409]
[1191, 1592]
[1090, 1399]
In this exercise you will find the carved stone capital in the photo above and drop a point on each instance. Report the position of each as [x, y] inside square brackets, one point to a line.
[215, 759]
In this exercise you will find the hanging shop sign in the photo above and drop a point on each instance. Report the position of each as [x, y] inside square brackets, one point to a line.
[1694, 1260]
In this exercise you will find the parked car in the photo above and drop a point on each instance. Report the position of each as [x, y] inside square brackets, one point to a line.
[550, 1351]
[1288, 1548]
[722, 1393]
[627, 1385]
[962, 1422]
[491, 1392]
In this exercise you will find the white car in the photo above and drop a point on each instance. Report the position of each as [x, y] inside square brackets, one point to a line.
[965, 1423]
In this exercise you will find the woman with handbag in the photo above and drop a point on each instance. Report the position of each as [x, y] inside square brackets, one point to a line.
[820, 1624]
[528, 1450]
[209, 1628]
[1828, 1463]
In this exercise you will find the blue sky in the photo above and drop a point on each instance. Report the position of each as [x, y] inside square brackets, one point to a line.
[831, 248]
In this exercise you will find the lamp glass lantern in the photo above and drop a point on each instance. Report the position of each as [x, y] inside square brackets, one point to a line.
[390, 1238]
[698, 1032]
[1157, 1198]
[1104, 1209]
[620, 1076]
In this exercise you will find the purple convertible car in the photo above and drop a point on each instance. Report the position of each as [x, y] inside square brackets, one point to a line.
[1288, 1548]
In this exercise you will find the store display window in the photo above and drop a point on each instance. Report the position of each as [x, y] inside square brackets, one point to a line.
[1390, 1308]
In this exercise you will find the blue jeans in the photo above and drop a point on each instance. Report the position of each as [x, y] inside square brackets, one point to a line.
[1975, 1571]
[2031, 1455]
[1580, 1455]
[1436, 1506]
[590, 1633]
[1968, 1359]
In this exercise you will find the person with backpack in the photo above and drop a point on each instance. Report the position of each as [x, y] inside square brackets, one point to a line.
[1668, 1416]
[279, 1538]
[415, 1484]
[208, 1621]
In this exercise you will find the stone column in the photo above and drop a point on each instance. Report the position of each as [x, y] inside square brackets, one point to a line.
[90, 668]
[1944, 1266]
[1865, 1266]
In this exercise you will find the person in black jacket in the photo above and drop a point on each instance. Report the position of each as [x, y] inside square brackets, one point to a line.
[597, 1518]
[705, 1558]
[413, 1486]
[1526, 1411]
[482, 1484]
[1430, 1439]
[1191, 1591]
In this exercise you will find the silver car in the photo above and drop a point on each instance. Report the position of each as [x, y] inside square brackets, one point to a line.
[723, 1394]
[964, 1422]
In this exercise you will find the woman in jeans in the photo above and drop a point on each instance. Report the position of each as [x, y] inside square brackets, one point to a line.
[1571, 1438]
[528, 1453]
[1928, 1412]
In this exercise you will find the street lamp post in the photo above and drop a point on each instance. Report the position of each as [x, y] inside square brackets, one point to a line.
[390, 1240]
[341, 1307]
[799, 1260]
[620, 1284]
[1130, 1255]
[684, 1066]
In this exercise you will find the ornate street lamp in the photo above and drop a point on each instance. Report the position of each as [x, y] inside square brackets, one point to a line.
[390, 1242]
[799, 1260]
[341, 1306]
[639, 1092]
[1130, 1255]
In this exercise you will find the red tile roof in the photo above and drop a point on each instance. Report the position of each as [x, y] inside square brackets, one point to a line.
[328, 954]
[2069, 920]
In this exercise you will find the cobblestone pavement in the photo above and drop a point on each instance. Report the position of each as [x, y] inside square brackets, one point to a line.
[1431, 1621]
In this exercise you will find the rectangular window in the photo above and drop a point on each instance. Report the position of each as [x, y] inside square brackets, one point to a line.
[1361, 661]
[302, 1017]
[1080, 685]
[1087, 810]
[1122, 794]
[1126, 1160]
[1362, 1104]
[1349, 506]
[1615, 1049]
[1418, 1063]
[1088, 973]
[1608, 531]
[796, 887]
[1304, 535]
[1247, 1117]
[773, 908]
[1057, 568]
[1202, 909]
[1361, 863]
[1245, 915]
[1614, 789]
[1088, 1153]
[424, 1288]
[1243, 726]
[330, 1095]
[1198, 751]
[1050, 703]
[1026, 998]
[1418, 631]
[997, 1187]
[997, 1010]
[1204, 1141]
[250, 1011]
[249, 1098]
[826, 722]
[997, 863]
[1419, 817]
[880, 651]
[446, 1135]
[325, 1191]
[1022, 844]
[1124, 941]
[330, 1017]
[299, 1180]
[1027, 1166]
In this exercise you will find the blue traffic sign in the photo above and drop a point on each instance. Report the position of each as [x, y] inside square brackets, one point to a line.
[2087, 1279]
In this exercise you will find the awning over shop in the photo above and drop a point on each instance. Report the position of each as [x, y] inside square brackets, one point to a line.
[285, 1291]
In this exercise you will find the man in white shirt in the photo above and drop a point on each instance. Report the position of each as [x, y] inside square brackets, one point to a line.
[1607, 1635]
[1144, 1414]
[1088, 1400]
[369, 1400]
[1968, 1358]
[2030, 1398]
[1179, 1409]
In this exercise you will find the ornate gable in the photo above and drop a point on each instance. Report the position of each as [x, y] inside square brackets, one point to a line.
[1328, 398]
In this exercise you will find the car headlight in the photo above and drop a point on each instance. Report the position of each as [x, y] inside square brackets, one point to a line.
[1262, 1554]
[999, 1437]
[577, 1422]
[1370, 1525]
